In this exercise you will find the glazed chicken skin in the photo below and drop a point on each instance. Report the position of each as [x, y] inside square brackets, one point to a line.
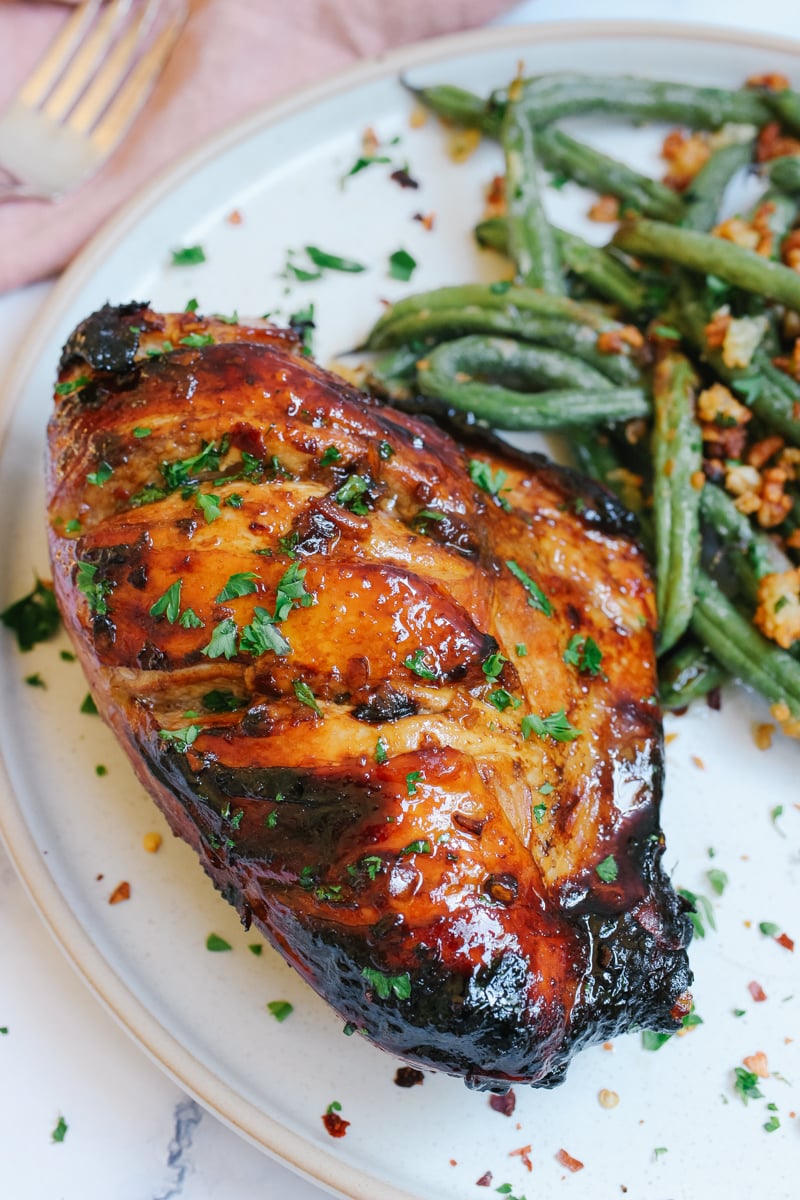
[397, 692]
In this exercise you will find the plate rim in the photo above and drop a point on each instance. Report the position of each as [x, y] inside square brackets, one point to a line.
[199, 1080]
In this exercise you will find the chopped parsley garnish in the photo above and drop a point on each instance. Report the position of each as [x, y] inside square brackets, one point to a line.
[350, 493]
[584, 654]
[371, 865]
[333, 262]
[718, 880]
[366, 160]
[501, 699]
[60, 1131]
[223, 640]
[190, 620]
[188, 256]
[196, 340]
[73, 526]
[34, 618]
[384, 985]
[521, 649]
[772, 1124]
[302, 322]
[181, 739]
[95, 591]
[220, 701]
[234, 500]
[141, 431]
[233, 319]
[35, 680]
[769, 928]
[261, 635]
[420, 846]
[191, 305]
[147, 496]
[748, 388]
[101, 475]
[702, 911]
[241, 583]
[381, 751]
[287, 543]
[608, 870]
[88, 705]
[255, 948]
[329, 892]
[305, 695]
[412, 779]
[100, 770]
[401, 265]
[536, 597]
[555, 726]
[493, 666]
[215, 943]
[746, 1085]
[489, 481]
[385, 451]
[416, 663]
[291, 591]
[545, 789]
[208, 505]
[66, 655]
[72, 385]
[539, 811]
[331, 455]
[169, 605]
[774, 814]
[280, 1009]
[177, 473]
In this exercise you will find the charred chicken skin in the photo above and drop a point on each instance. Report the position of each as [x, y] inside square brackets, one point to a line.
[397, 693]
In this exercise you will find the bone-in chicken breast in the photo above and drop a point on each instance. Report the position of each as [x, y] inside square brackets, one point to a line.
[397, 692]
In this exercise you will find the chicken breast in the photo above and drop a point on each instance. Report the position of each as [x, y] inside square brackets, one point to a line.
[397, 692]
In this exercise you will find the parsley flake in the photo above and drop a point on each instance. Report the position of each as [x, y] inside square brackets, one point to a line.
[223, 640]
[95, 591]
[746, 1085]
[420, 846]
[381, 751]
[241, 583]
[169, 604]
[536, 597]
[412, 779]
[208, 505]
[181, 739]
[493, 666]
[188, 256]
[584, 654]
[60, 1131]
[101, 475]
[88, 706]
[305, 695]
[35, 680]
[608, 870]
[72, 385]
[216, 944]
[718, 880]
[555, 726]
[539, 811]
[280, 1009]
[190, 620]
[333, 262]
[385, 985]
[415, 662]
[261, 636]
[489, 481]
[350, 493]
[703, 912]
[331, 455]
[291, 591]
[401, 265]
[35, 618]
[196, 340]
[221, 701]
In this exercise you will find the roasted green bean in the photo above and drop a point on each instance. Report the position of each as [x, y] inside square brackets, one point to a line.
[785, 172]
[712, 256]
[705, 192]
[531, 242]
[688, 673]
[677, 451]
[589, 167]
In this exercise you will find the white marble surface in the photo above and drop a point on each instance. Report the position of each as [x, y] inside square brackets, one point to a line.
[132, 1133]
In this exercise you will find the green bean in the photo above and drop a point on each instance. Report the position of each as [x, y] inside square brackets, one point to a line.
[781, 215]
[742, 649]
[461, 107]
[443, 324]
[712, 256]
[785, 172]
[677, 451]
[786, 105]
[687, 673]
[393, 374]
[493, 295]
[751, 553]
[704, 194]
[531, 243]
[454, 371]
[587, 166]
[602, 272]
[548, 98]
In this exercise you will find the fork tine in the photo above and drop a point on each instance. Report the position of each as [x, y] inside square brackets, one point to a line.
[48, 69]
[136, 88]
[113, 71]
[83, 64]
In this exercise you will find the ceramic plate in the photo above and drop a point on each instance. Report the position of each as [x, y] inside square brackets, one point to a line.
[270, 186]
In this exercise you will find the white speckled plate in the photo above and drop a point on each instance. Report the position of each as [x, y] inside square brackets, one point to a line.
[679, 1130]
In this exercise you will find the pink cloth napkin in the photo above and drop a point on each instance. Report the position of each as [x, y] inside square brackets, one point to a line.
[232, 56]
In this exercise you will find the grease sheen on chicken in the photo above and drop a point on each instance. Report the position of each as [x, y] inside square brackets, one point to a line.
[393, 771]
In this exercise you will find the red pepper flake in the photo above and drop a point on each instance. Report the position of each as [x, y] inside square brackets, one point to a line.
[235, 217]
[757, 1063]
[453, 1162]
[335, 1125]
[407, 1077]
[121, 892]
[485, 1180]
[698, 762]
[426, 220]
[756, 991]
[523, 1153]
[784, 940]
[566, 1160]
[402, 177]
[504, 1104]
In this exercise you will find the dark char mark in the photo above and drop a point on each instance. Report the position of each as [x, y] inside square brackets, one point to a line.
[105, 340]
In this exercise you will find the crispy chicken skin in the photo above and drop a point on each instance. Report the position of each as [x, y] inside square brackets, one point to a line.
[334, 649]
